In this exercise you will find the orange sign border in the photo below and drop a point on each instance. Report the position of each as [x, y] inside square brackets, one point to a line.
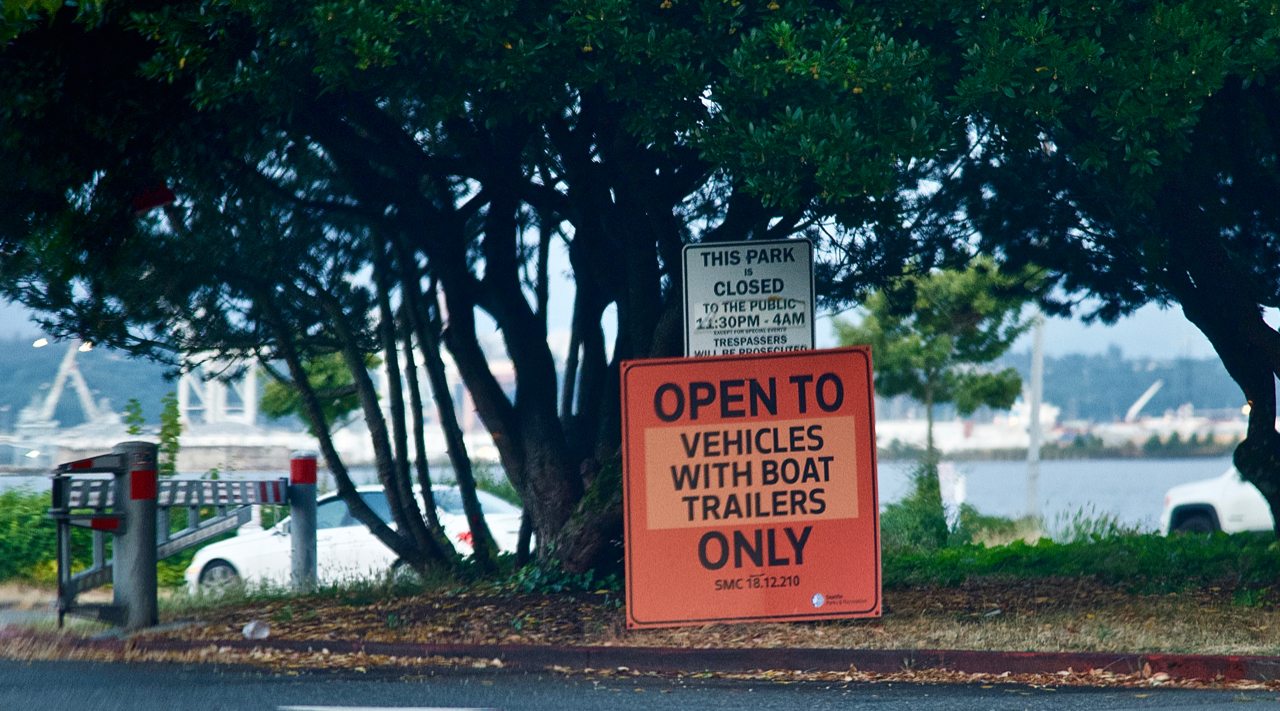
[874, 610]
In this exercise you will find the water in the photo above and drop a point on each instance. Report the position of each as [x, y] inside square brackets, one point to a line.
[1132, 489]
[34, 483]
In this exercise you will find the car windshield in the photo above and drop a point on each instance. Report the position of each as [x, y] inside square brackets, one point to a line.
[334, 513]
[449, 500]
[491, 504]
[377, 500]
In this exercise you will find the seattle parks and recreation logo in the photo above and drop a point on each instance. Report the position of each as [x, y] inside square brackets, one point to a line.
[818, 600]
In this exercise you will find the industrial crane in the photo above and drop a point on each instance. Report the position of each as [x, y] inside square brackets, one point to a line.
[39, 414]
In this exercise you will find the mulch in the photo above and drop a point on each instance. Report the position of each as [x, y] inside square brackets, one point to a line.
[497, 616]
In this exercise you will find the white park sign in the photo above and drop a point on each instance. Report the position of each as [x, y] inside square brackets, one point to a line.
[748, 297]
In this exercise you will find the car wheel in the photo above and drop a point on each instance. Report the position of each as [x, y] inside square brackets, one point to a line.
[219, 575]
[1197, 524]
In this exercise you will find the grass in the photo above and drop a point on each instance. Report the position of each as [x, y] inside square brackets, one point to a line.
[1080, 582]
[490, 477]
[1043, 615]
[1088, 525]
[354, 592]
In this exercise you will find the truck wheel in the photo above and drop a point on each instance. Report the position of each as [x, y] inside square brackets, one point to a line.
[1197, 524]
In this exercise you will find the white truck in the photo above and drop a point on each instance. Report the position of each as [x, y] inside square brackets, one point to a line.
[1226, 503]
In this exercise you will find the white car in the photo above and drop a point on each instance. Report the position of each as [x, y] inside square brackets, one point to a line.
[345, 549]
[1227, 503]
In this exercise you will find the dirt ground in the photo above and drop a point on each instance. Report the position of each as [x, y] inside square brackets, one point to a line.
[1040, 615]
[18, 596]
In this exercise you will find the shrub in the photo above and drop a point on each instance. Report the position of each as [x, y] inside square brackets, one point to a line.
[918, 523]
[27, 535]
[1144, 563]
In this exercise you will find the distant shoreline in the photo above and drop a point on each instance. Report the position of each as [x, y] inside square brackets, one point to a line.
[1053, 452]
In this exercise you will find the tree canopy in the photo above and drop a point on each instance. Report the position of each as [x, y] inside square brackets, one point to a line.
[351, 179]
[365, 178]
[1132, 151]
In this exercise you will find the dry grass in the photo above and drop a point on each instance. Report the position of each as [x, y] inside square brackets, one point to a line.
[1026, 530]
[1041, 615]
[1035, 615]
[21, 596]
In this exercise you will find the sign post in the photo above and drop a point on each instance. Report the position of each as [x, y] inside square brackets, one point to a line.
[748, 297]
[302, 511]
[750, 488]
[134, 551]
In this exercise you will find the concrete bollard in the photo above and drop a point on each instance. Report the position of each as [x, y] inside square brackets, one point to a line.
[134, 551]
[302, 522]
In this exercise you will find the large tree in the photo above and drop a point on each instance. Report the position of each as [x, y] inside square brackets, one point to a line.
[1133, 150]
[352, 178]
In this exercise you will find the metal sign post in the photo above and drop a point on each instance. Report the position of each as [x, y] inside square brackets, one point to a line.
[750, 488]
[748, 297]
[302, 519]
[134, 572]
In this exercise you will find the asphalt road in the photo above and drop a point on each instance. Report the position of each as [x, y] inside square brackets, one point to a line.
[74, 686]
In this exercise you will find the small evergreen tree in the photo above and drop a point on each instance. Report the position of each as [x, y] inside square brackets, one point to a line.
[133, 416]
[930, 336]
[170, 430]
[334, 386]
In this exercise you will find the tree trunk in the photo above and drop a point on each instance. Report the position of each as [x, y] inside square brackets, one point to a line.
[408, 518]
[523, 540]
[399, 431]
[528, 434]
[419, 430]
[482, 542]
[314, 412]
[1218, 299]
[1258, 456]
[930, 454]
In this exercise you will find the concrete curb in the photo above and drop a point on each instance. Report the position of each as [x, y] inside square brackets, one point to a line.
[1178, 666]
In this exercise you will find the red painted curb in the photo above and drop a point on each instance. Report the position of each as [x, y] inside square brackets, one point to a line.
[1178, 666]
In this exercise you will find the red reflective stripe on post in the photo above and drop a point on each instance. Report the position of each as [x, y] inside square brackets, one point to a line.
[302, 471]
[104, 524]
[142, 484]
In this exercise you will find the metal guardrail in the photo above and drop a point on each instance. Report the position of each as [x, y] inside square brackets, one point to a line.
[129, 503]
[93, 504]
[100, 493]
[196, 494]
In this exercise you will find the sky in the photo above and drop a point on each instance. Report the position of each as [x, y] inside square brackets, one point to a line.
[1151, 332]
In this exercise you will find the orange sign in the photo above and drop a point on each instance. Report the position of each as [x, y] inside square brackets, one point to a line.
[750, 488]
